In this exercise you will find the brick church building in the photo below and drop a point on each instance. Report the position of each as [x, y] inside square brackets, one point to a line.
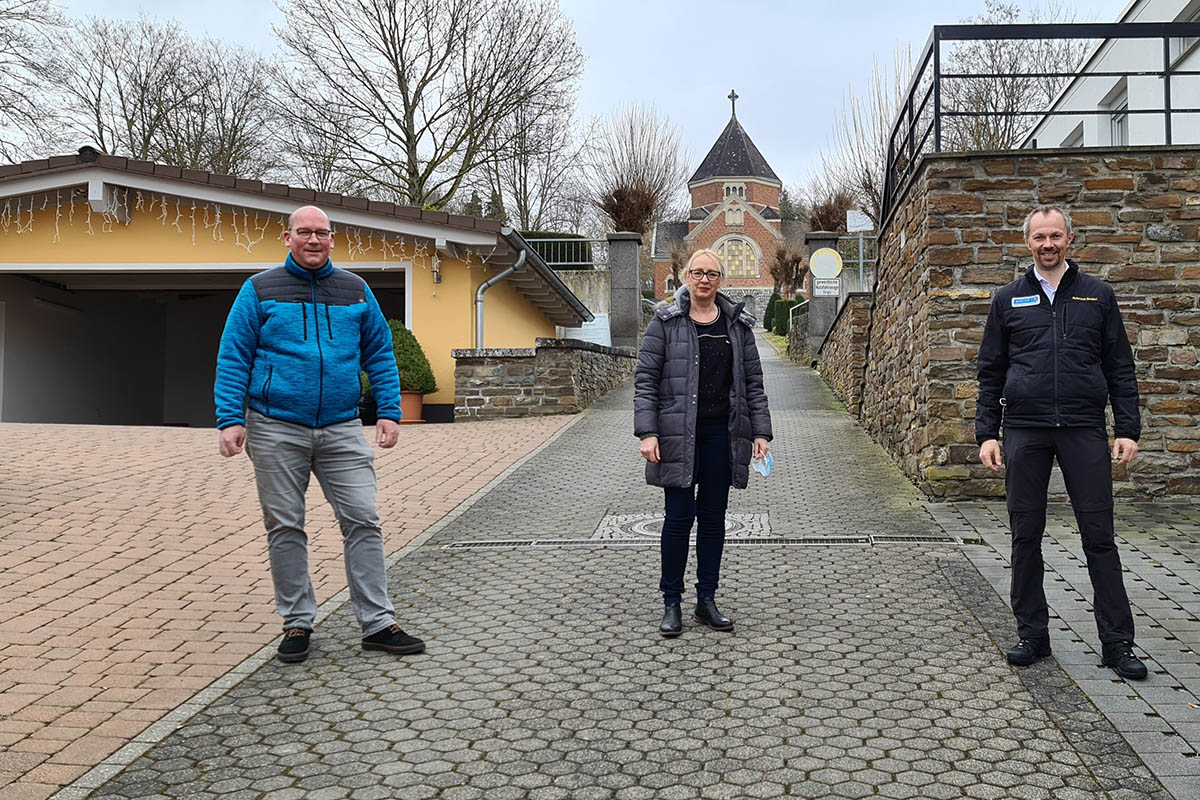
[734, 211]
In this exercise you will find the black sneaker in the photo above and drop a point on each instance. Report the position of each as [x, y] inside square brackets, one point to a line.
[1027, 651]
[1119, 656]
[294, 646]
[393, 640]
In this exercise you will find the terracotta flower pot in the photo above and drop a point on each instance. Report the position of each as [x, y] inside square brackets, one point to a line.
[410, 407]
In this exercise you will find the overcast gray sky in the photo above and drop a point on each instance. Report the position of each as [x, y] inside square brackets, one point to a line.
[790, 62]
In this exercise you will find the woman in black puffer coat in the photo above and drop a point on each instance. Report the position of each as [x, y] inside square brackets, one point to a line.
[701, 413]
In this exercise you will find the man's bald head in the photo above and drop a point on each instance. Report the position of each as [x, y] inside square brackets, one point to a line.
[309, 237]
[308, 214]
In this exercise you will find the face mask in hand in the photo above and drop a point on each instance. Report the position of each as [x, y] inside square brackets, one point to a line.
[763, 465]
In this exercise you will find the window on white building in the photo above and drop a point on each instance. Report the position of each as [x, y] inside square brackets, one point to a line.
[1181, 47]
[1119, 123]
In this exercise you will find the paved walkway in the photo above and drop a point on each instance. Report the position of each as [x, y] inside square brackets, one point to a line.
[867, 660]
[133, 572]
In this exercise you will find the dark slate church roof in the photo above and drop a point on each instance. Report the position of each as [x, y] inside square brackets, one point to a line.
[734, 155]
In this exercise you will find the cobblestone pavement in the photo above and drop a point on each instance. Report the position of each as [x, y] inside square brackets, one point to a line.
[1159, 545]
[133, 572]
[870, 668]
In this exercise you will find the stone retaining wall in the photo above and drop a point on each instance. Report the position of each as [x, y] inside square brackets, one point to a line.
[843, 355]
[556, 376]
[956, 238]
[797, 347]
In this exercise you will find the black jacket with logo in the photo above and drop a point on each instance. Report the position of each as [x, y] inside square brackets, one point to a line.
[1044, 365]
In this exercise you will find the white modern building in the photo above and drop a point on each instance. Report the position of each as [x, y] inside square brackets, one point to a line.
[1113, 97]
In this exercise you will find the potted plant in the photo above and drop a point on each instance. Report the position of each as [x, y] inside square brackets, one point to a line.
[416, 376]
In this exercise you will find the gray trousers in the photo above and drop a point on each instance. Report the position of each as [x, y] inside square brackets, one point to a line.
[284, 456]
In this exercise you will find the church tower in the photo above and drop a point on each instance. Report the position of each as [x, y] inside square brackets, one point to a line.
[734, 211]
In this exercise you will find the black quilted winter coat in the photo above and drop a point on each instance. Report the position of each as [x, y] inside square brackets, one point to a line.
[666, 386]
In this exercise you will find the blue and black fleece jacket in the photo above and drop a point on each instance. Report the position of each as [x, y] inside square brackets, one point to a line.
[294, 343]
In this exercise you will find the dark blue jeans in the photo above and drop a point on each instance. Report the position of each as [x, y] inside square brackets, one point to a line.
[703, 503]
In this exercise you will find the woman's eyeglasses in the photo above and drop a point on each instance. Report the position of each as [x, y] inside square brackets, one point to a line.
[700, 274]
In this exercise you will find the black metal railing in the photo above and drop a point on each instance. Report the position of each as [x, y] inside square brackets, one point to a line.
[919, 126]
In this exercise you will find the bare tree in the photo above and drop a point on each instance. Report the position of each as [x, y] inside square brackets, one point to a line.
[537, 169]
[224, 124]
[1001, 127]
[426, 85]
[120, 81]
[638, 169]
[828, 207]
[679, 252]
[788, 270]
[25, 57]
[857, 158]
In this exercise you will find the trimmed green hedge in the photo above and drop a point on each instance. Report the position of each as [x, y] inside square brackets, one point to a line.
[783, 316]
[768, 315]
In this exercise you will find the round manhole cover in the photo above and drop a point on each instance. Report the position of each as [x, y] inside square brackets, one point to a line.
[653, 527]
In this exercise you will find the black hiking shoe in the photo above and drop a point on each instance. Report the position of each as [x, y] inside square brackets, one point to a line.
[1027, 651]
[1119, 656]
[294, 647]
[393, 640]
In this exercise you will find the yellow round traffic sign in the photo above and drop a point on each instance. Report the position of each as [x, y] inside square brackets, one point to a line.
[825, 263]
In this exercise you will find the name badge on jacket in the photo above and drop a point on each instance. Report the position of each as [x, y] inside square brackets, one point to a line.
[1032, 300]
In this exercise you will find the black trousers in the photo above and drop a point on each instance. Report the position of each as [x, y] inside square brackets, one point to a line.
[1084, 457]
[703, 503]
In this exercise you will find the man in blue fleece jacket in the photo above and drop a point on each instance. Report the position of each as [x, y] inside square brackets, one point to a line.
[287, 390]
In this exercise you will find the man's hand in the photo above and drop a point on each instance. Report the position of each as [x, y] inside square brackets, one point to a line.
[761, 447]
[650, 449]
[233, 437]
[387, 433]
[989, 454]
[1124, 451]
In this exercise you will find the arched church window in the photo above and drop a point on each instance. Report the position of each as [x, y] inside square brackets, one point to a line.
[740, 257]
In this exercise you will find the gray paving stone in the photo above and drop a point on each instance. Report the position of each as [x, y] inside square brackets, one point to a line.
[854, 671]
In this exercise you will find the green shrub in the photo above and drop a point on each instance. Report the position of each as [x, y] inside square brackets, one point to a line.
[768, 315]
[415, 373]
[783, 316]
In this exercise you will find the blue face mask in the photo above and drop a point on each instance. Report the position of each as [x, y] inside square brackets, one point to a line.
[763, 465]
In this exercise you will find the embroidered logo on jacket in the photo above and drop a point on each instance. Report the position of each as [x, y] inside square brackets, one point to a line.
[1032, 300]
[1088, 299]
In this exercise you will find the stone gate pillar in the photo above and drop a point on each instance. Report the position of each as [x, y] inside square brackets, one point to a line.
[625, 296]
[821, 310]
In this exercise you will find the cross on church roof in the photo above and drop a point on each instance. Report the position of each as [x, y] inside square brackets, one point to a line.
[733, 97]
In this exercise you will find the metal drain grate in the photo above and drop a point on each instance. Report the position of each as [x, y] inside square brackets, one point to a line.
[889, 539]
[774, 541]
[806, 541]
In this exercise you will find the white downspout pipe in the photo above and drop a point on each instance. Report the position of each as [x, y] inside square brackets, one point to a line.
[483, 287]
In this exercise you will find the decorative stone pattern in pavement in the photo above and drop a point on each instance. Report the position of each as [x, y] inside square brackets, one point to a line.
[1159, 544]
[622, 526]
[854, 671]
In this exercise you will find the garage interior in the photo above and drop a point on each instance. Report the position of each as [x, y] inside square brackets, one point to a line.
[113, 348]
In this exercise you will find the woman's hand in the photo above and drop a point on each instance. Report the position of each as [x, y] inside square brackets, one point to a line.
[650, 449]
[761, 447]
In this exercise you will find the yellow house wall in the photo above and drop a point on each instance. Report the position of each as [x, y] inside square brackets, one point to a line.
[78, 236]
[443, 315]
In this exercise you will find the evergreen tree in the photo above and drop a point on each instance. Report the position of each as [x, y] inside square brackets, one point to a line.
[495, 208]
[474, 206]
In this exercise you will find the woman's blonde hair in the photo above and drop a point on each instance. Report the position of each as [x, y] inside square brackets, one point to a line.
[705, 252]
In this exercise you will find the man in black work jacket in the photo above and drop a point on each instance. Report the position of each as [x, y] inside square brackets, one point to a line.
[1053, 355]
